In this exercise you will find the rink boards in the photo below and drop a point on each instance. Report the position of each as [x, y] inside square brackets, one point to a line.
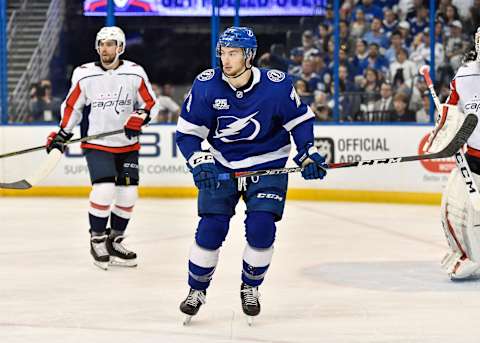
[163, 170]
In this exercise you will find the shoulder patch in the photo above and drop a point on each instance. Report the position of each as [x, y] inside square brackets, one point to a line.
[276, 75]
[206, 75]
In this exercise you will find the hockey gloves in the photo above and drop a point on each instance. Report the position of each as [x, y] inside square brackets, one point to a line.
[312, 162]
[56, 140]
[134, 123]
[205, 173]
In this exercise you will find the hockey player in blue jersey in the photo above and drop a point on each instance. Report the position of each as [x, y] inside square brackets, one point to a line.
[246, 115]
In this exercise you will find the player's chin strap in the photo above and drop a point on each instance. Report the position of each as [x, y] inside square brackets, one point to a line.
[238, 75]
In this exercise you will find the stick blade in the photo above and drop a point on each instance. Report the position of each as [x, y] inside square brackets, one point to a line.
[22, 184]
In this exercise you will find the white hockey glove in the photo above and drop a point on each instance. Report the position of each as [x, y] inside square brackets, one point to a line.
[449, 121]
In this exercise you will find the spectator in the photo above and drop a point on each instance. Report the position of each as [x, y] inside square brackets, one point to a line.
[375, 35]
[376, 60]
[404, 29]
[421, 50]
[168, 109]
[360, 61]
[396, 43]
[45, 107]
[301, 88]
[390, 21]
[473, 20]
[423, 113]
[370, 88]
[450, 15]
[308, 74]
[359, 26]
[455, 48]
[346, 40]
[420, 22]
[401, 112]
[322, 38]
[275, 59]
[320, 107]
[308, 43]
[403, 71]
[417, 93]
[383, 108]
[370, 9]
[296, 59]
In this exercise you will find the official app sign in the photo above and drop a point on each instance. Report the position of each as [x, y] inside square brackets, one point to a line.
[203, 8]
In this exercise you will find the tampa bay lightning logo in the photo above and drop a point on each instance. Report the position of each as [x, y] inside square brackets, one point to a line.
[232, 129]
[206, 75]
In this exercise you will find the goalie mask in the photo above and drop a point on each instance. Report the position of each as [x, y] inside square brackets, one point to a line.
[111, 33]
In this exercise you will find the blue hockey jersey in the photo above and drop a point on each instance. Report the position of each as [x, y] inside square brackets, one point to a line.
[246, 129]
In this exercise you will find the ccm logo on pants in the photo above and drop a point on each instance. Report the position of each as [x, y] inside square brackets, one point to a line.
[269, 196]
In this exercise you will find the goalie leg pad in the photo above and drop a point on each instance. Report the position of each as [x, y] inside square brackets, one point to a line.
[447, 126]
[461, 224]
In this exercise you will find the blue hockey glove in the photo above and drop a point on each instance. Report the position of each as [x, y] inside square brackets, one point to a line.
[314, 166]
[205, 173]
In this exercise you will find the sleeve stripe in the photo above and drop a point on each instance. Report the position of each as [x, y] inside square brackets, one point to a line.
[188, 128]
[453, 97]
[70, 105]
[294, 122]
[149, 102]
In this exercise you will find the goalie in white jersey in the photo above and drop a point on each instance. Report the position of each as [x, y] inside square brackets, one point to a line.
[119, 96]
[461, 222]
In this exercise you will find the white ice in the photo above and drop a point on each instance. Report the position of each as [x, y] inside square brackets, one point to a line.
[341, 272]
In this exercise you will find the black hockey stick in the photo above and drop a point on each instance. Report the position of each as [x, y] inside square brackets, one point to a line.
[77, 140]
[455, 145]
[49, 164]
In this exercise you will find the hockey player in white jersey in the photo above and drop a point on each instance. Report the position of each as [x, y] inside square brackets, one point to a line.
[461, 223]
[118, 95]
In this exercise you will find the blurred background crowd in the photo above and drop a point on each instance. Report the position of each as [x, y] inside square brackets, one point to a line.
[382, 45]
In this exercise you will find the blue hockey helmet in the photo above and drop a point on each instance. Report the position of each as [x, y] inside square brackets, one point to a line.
[238, 37]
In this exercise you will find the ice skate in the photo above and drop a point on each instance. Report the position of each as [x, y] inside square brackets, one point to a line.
[250, 302]
[192, 303]
[119, 255]
[99, 252]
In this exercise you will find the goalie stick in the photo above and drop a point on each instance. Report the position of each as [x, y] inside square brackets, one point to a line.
[460, 160]
[50, 163]
[456, 144]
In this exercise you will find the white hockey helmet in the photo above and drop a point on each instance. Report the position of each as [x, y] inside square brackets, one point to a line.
[477, 44]
[111, 33]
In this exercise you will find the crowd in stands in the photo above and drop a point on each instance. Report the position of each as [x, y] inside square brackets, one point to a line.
[383, 43]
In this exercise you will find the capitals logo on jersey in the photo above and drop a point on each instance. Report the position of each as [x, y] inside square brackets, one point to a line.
[232, 129]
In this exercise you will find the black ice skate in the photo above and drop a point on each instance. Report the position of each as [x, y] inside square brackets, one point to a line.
[250, 301]
[119, 255]
[192, 303]
[99, 252]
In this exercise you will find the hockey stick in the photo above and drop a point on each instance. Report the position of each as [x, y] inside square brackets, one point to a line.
[457, 142]
[50, 163]
[460, 160]
[77, 140]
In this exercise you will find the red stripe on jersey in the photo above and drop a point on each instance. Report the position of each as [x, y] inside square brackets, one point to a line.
[473, 152]
[99, 207]
[98, 4]
[114, 150]
[149, 102]
[144, 6]
[126, 209]
[453, 97]
[69, 105]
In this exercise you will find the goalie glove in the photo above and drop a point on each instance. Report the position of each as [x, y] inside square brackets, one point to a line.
[448, 123]
[312, 162]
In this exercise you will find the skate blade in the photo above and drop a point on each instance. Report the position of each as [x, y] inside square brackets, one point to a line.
[187, 320]
[118, 262]
[101, 265]
[249, 320]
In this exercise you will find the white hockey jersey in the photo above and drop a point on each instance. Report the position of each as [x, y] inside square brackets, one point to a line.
[112, 96]
[465, 93]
